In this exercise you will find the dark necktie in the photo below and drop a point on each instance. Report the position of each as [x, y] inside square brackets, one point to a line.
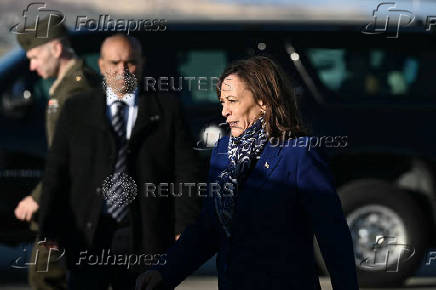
[118, 202]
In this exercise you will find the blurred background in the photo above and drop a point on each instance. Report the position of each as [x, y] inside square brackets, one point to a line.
[206, 10]
[364, 76]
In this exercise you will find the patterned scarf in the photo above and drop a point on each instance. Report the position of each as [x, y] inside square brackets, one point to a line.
[242, 150]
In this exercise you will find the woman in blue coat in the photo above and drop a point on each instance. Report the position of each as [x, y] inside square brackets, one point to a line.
[272, 193]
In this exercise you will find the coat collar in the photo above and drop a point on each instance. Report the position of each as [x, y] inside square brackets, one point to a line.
[70, 67]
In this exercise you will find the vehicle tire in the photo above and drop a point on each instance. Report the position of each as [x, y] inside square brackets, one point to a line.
[375, 208]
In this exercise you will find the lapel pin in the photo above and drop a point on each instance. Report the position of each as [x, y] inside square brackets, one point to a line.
[266, 165]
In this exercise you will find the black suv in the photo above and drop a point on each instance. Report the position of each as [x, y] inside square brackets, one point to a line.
[369, 100]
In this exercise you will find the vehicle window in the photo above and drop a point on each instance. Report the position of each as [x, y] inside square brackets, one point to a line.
[24, 94]
[38, 88]
[199, 70]
[374, 74]
[197, 74]
[91, 59]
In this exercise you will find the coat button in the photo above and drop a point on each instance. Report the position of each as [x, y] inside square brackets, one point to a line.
[98, 190]
[88, 225]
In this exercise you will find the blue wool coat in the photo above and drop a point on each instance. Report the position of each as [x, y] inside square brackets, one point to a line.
[287, 198]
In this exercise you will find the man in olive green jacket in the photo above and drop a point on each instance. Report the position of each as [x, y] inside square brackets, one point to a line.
[51, 56]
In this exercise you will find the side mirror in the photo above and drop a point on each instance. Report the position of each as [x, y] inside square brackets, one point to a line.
[17, 101]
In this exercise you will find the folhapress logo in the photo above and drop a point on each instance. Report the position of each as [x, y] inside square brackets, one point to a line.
[33, 13]
[40, 262]
[387, 19]
[388, 255]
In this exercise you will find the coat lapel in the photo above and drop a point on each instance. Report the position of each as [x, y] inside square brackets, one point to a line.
[148, 113]
[96, 111]
[269, 159]
[93, 115]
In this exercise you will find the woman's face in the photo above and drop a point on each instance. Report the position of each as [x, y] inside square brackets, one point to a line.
[238, 105]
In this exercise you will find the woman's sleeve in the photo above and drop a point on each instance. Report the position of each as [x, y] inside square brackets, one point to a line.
[198, 243]
[320, 201]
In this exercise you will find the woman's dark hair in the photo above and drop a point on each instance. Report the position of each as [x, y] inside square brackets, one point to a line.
[268, 83]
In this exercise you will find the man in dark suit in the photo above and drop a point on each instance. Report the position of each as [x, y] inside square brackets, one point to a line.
[109, 144]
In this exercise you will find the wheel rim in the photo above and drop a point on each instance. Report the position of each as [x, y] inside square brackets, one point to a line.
[379, 237]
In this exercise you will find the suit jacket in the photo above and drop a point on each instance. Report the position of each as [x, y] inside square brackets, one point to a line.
[84, 153]
[287, 198]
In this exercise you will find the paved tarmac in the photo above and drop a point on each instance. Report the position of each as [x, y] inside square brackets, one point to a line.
[204, 278]
[210, 283]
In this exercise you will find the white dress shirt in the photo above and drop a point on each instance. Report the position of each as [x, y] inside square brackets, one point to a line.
[130, 114]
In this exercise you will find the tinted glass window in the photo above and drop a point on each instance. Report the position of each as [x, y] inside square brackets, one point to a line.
[374, 74]
[199, 70]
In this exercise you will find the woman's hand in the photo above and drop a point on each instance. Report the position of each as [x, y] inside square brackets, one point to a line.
[150, 280]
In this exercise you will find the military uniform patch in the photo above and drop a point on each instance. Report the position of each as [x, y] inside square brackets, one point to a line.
[53, 105]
